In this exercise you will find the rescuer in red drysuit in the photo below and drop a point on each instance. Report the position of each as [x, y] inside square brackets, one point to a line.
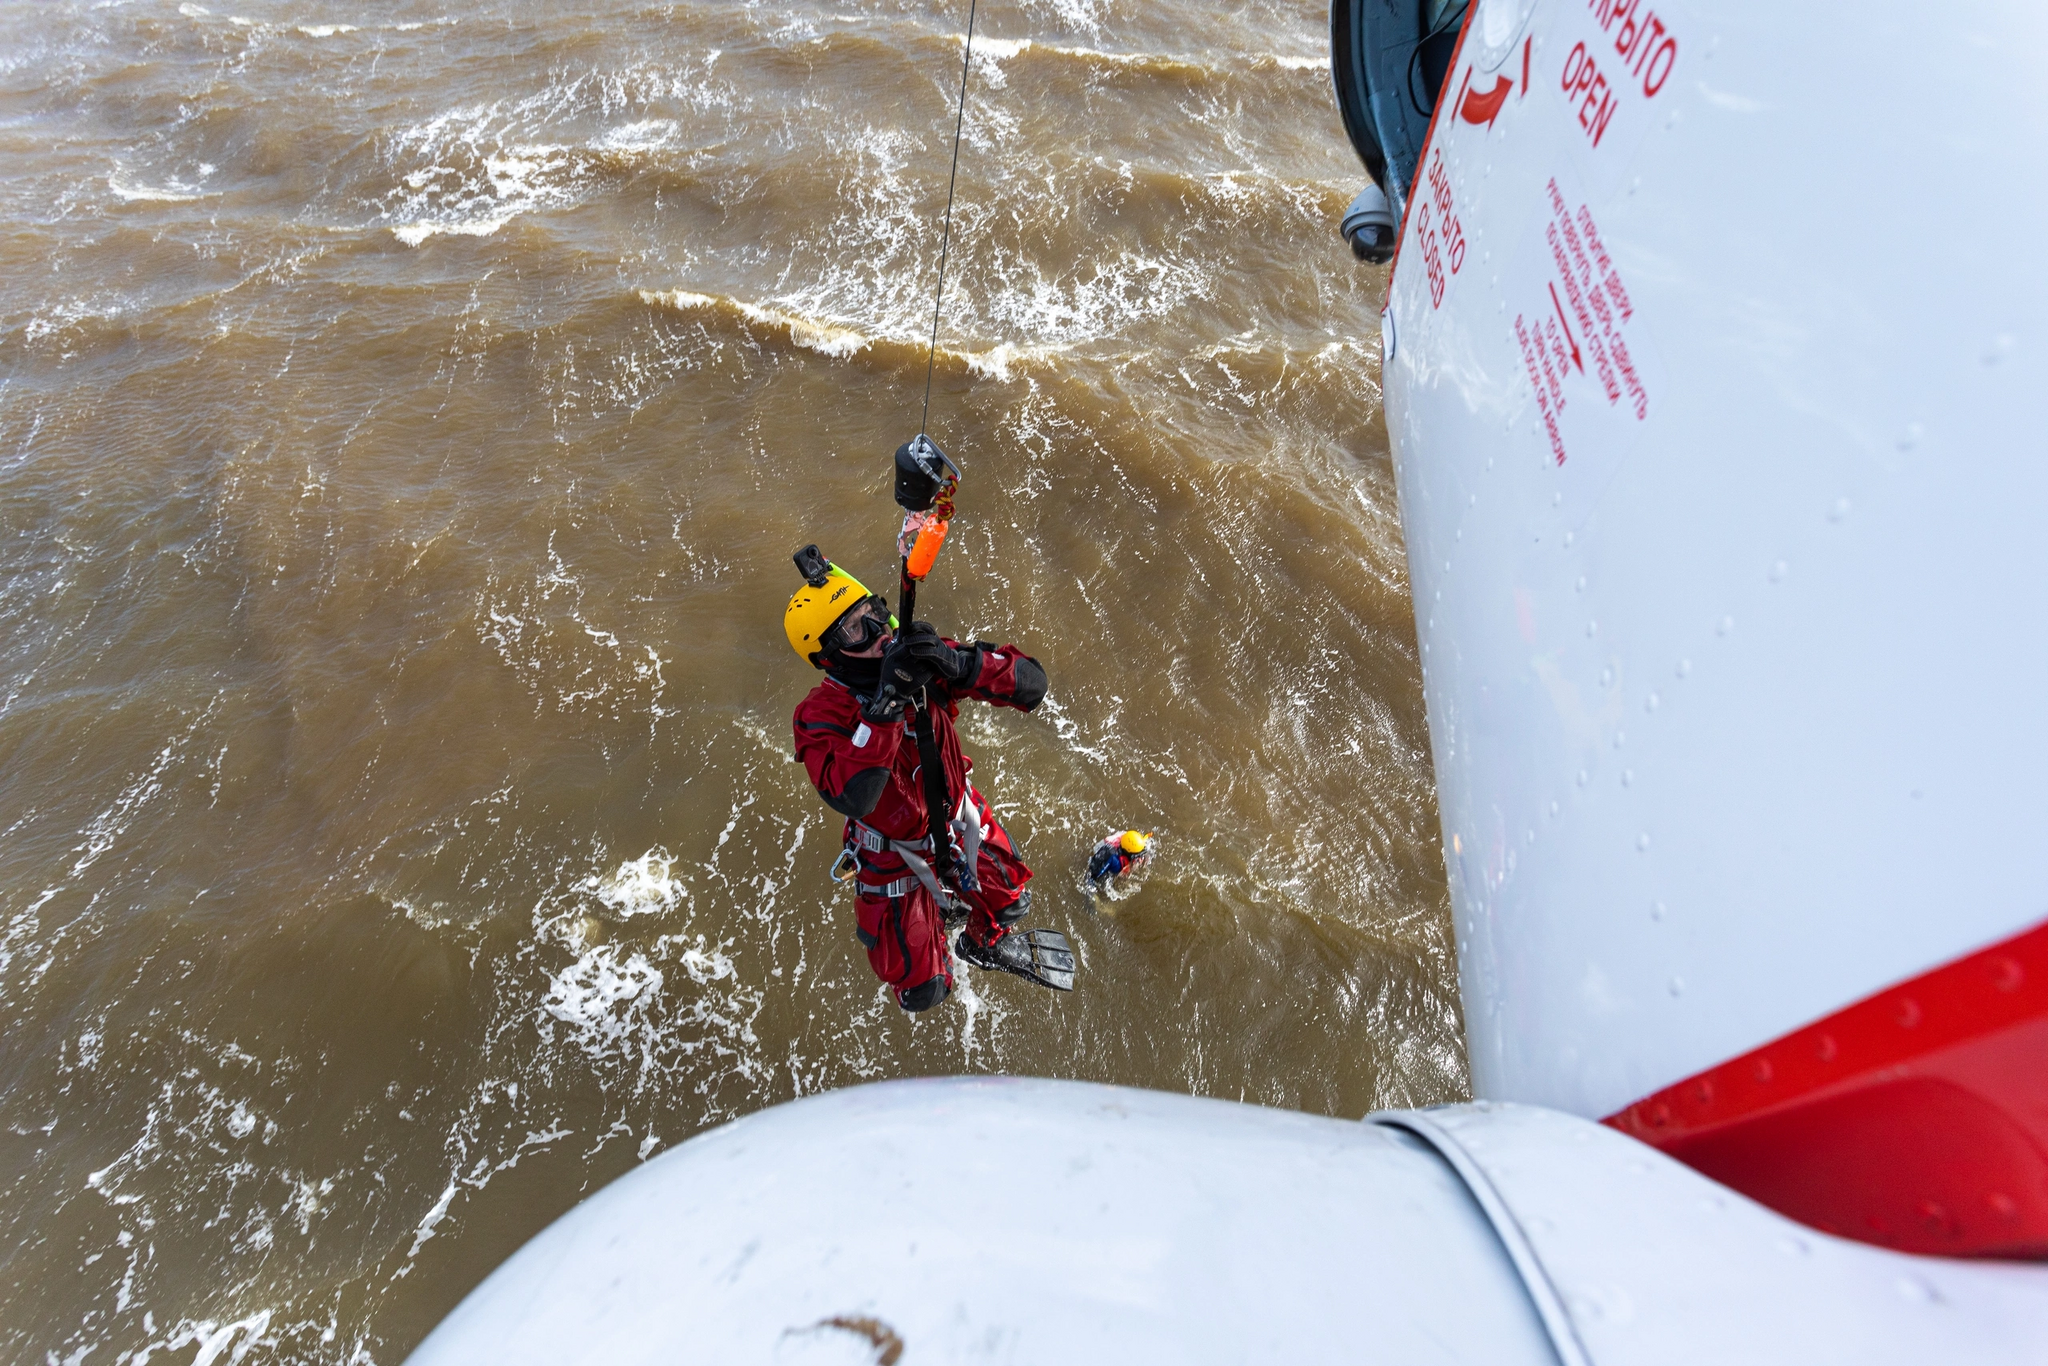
[855, 740]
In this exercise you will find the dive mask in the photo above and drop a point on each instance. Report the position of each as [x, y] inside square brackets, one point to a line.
[860, 626]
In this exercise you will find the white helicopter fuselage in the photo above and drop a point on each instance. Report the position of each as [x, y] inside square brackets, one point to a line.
[1720, 478]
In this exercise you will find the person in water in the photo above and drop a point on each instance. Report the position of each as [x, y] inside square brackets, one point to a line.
[1119, 852]
[857, 738]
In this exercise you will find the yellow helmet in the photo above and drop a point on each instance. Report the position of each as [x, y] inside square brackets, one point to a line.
[829, 592]
[1133, 842]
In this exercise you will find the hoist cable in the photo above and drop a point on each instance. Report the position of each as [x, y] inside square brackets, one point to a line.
[946, 230]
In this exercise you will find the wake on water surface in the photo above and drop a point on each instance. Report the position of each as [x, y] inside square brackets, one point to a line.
[405, 424]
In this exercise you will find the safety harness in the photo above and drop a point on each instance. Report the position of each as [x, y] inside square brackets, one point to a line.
[968, 829]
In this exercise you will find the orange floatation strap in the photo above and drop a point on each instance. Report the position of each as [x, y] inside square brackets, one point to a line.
[924, 532]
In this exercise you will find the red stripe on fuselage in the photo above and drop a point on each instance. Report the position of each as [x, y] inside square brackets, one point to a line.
[1916, 1118]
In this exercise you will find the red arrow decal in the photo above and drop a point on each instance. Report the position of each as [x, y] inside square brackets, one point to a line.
[1567, 330]
[1479, 108]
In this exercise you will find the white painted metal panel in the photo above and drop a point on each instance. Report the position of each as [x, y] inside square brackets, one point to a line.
[1015, 1221]
[1735, 710]
[1655, 1265]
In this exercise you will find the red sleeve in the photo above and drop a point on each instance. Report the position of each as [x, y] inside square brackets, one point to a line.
[849, 760]
[1006, 677]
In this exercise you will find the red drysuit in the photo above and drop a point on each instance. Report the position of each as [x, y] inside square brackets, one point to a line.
[871, 774]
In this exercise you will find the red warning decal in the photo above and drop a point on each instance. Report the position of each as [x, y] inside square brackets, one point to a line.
[1594, 78]
[1437, 229]
[1478, 108]
[1578, 361]
[1582, 332]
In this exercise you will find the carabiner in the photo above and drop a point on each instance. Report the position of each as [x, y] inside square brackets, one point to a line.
[846, 867]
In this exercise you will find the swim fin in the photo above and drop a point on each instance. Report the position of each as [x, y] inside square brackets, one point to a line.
[1041, 956]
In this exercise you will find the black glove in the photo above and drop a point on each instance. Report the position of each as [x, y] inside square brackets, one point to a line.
[921, 641]
[883, 709]
[907, 664]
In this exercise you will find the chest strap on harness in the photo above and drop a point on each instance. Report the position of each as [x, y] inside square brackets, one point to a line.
[874, 841]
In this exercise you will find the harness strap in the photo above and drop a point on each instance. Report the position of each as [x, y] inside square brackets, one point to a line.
[912, 852]
[967, 827]
[874, 841]
[967, 832]
[925, 874]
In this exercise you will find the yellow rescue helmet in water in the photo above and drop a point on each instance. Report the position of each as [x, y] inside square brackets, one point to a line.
[1134, 842]
[815, 606]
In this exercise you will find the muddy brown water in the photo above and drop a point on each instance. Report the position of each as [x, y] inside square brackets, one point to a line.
[406, 416]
